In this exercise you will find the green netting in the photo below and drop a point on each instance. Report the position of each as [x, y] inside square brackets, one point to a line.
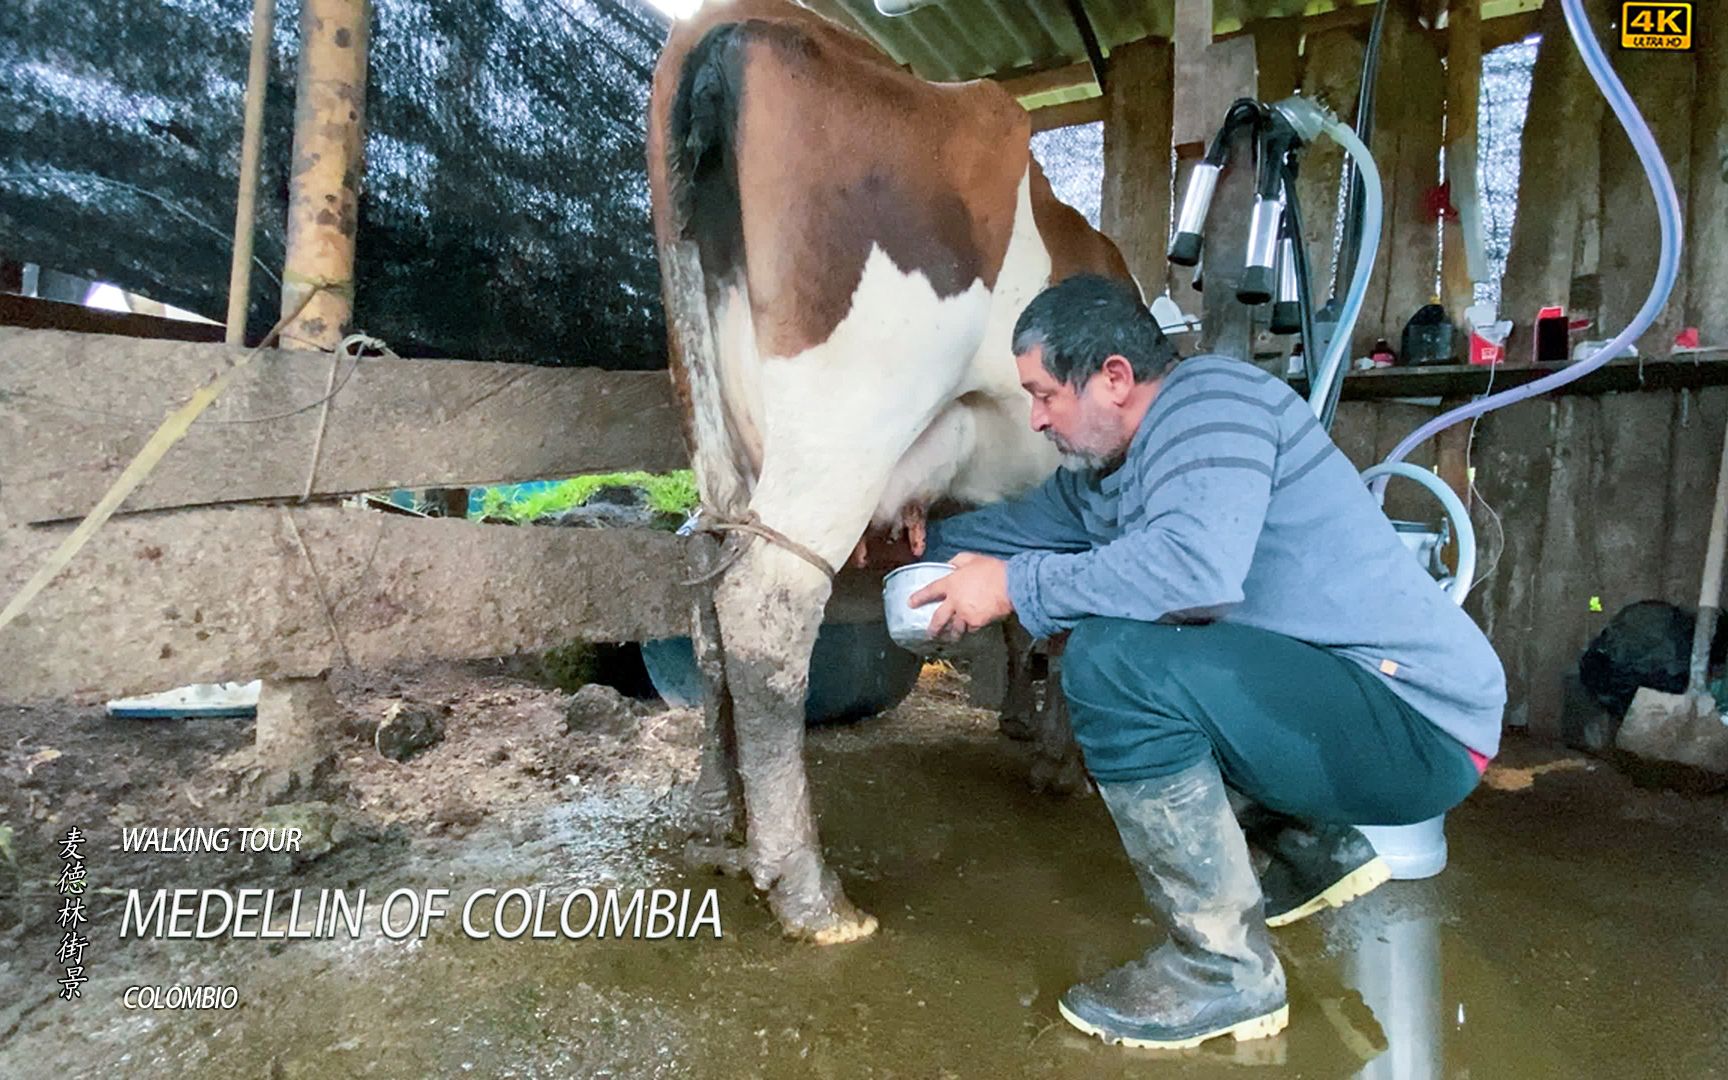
[505, 208]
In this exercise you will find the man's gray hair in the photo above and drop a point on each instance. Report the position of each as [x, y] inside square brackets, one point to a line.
[1083, 320]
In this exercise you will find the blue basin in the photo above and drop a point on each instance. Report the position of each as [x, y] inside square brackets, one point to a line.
[856, 670]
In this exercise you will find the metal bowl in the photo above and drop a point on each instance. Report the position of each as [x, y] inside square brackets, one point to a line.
[910, 626]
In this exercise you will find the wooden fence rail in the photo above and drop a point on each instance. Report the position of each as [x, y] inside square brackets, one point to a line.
[75, 408]
[213, 571]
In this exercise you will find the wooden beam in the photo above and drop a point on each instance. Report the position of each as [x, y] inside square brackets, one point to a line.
[234, 593]
[1514, 459]
[1561, 600]
[79, 406]
[30, 313]
[1695, 443]
[324, 176]
[1463, 92]
[1338, 18]
[1682, 371]
[1027, 84]
[1496, 31]
[1135, 199]
[1087, 111]
[1505, 30]
[1032, 79]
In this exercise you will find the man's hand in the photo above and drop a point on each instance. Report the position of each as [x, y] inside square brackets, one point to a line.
[973, 596]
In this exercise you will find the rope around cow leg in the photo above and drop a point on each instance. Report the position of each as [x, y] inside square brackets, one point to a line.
[750, 525]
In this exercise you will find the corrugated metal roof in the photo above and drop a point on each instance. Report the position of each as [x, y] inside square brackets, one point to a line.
[954, 40]
[969, 39]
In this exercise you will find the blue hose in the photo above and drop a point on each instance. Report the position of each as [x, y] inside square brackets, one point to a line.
[1667, 268]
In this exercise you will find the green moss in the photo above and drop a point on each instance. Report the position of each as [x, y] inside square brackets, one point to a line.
[670, 493]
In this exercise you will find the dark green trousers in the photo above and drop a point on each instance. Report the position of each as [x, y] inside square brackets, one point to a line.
[1292, 726]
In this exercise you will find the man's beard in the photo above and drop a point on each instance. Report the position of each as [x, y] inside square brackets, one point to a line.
[1094, 447]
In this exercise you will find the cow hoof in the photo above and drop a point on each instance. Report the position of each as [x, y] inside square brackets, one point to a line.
[858, 926]
[717, 858]
[1015, 727]
[813, 908]
[836, 925]
[1064, 776]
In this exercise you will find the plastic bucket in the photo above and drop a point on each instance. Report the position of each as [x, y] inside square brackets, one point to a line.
[1412, 851]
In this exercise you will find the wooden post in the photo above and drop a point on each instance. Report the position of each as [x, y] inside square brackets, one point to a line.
[1463, 94]
[1559, 149]
[1707, 222]
[1334, 59]
[1136, 196]
[1661, 86]
[1278, 56]
[298, 723]
[1409, 102]
[1209, 76]
[324, 189]
[1228, 323]
[252, 137]
[1452, 461]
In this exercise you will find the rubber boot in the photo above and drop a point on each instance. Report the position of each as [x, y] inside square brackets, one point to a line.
[1306, 867]
[1315, 867]
[1216, 974]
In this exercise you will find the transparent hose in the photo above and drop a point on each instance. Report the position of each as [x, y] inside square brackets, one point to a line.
[1667, 268]
[1320, 394]
[1461, 527]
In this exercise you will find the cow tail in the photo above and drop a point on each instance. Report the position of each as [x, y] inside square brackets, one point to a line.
[707, 248]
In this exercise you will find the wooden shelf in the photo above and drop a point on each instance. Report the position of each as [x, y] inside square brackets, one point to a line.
[1690, 370]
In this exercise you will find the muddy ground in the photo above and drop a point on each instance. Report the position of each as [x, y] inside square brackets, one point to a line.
[1576, 933]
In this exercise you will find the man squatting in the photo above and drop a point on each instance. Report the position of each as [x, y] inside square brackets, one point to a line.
[1250, 647]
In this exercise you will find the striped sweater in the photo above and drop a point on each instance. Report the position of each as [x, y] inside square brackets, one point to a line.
[1233, 504]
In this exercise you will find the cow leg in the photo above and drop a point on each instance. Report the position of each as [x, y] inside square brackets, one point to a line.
[1020, 703]
[718, 797]
[1057, 767]
[770, 607]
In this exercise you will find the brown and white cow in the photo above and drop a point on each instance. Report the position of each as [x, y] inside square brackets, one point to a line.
[844, 249]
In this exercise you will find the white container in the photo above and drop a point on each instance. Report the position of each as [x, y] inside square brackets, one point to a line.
[200, 699]
[1412, 851]
[910, 626]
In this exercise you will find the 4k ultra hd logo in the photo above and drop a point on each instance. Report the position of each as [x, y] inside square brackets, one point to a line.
[1648, 25]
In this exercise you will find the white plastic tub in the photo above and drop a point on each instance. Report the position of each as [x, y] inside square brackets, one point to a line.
[1412, 851]
[910, 626]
